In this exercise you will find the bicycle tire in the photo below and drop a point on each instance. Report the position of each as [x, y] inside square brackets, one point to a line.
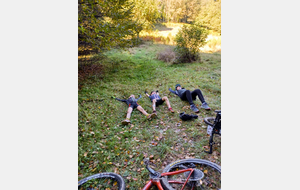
[209, 120]
[106, 175]
[202, 165]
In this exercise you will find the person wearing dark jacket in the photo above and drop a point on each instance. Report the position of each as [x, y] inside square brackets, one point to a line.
[132, 104]
[190, 96]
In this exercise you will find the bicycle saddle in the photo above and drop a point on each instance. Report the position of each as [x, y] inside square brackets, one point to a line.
[218, 111]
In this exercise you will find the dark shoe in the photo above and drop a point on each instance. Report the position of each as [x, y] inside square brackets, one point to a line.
[205, 106]
[126, 122]
[194, 108]
[154, 115]
[150, 116]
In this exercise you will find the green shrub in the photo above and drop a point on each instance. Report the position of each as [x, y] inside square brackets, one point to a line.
[188, 41]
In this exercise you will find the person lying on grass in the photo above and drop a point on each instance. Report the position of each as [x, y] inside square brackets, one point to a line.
[190, 96]
[156, 101]
[132, 104]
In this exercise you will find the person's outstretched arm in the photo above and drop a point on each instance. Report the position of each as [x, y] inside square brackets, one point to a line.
[147, 93]
[172, 91]
[122, 100]
[140, 96]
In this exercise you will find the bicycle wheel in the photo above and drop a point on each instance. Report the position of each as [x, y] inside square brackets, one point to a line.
[102, 181]
[209, 120]
[207, 175]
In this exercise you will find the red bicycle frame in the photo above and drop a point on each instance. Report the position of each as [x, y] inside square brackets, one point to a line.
[157, 183]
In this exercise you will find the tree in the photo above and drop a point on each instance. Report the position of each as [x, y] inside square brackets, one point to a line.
[145, 14]
[189, 39]
[105, 24]
[210, 15]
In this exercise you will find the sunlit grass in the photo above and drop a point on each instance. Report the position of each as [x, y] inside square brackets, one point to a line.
[164, 33]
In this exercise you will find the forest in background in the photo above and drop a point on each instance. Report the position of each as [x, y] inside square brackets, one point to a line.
[103, 25]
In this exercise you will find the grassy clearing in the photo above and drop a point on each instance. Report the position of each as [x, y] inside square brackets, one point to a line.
[104, 145]
[165, 33]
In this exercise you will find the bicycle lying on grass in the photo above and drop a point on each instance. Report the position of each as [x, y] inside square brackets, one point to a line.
[185, 174]
[214, 127]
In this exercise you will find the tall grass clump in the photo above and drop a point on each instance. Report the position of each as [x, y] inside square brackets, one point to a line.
[167, 55]
[188, 42]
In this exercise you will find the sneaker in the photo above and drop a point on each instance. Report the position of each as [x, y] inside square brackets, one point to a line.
[150, 116]
[193, 107]
[205, 106]
[171, 110]
[126, 122]
[154, 114]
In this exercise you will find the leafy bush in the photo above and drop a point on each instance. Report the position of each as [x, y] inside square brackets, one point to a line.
[167, 55]
[188, 41]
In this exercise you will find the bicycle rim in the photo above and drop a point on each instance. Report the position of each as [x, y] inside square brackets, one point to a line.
[210, 175]
[99, 181]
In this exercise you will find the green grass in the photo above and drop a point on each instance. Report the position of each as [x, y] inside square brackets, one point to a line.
[105, 145]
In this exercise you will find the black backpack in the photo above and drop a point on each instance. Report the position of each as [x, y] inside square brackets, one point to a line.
[186, 117]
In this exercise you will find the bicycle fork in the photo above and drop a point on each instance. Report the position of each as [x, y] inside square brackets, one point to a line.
[211, 143]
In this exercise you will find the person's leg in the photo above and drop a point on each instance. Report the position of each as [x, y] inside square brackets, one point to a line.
[154, 105]
[144, 112]
[129, 111]
[199, 93]
[187, 96]
[127, 120]
[165, 98]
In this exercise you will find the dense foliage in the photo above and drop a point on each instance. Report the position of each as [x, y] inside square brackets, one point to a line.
[210, 15]
[179, 10]
[189, 39]
[103, 25]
